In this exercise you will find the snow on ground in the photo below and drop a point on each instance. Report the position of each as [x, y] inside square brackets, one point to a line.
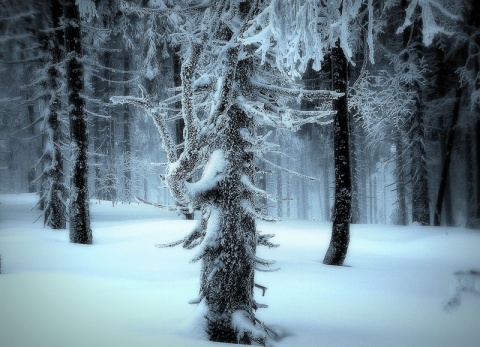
[123, 291]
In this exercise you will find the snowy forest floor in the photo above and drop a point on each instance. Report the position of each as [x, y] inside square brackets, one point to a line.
[123, 291]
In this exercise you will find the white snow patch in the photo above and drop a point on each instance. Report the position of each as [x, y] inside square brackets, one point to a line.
[122, 291]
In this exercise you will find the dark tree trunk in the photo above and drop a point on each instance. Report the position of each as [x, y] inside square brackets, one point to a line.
[401, 217]
[337, 250]
[180, 123]
[110, 180]
[470, 196]
[303, 185]
[32, 172]
[326, 193]
[420, 200]
[354, 175]
[79, 211]
[56, 214]
[228, 288]
[446, 161]
[98, 138]
[279, 189]
[412, 43]
[127, 140]
[231, 288]
[477, 178]
[288, 192]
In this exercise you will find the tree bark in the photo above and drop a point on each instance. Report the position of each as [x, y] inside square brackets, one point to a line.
[470, 193]
[54, 185]
[446, 161]
[401, 217]
[338, 246]
[477, 178]
[279, 189]
[127, 139]
[413, 46]
[180, 123]
[79, 210]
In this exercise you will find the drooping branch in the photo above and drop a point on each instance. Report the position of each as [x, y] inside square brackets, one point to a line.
[158, 118]
[297, 93]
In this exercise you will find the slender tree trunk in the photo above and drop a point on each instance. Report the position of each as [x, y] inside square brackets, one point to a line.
[402, 213]
[279, 189]
[338, 247]
[54, 185]
[79, 210]
[370, 194]
[375, 201]
[180, 123]
[412, 42]
[288, 180]
[420, 198]
[303, 184]
[326, 193]
[354, 174]
[32, 172]
[98, 139]
[109, 181]
[477, 178]
[127, 140]
[447, 159]
[470, 197]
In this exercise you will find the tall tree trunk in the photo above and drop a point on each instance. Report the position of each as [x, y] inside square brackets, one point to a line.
[470, 196]
[326, 193]
[413, 46]
[288, 180]
[109, 181]
[448, 155]
[180, 123]
[279, 189]
[55, 210]
[354, 174]
[98, 139]
[32, 172]
[420, 199]
[228, 288]
[304, 191]
[79, 210]
[127, 140]
[337, 249]
[477, 176]
[401, 217]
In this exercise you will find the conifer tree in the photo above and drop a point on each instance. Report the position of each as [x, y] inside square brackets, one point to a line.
[79, 210]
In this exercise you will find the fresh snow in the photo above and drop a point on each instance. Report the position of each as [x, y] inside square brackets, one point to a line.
[123, 291]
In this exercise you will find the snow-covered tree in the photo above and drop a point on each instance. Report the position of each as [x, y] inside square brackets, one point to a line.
[301, 31]
[228, 92]
[54, 192]
[79, 210]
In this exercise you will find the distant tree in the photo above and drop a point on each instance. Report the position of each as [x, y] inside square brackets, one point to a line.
[412, 55]
[79, 210]
[19, 95]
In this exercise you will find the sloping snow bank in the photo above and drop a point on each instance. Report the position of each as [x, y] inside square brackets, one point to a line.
[122, 291]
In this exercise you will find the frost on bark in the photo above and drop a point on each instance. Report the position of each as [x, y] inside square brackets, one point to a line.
[54, 192]
[227, 99]
[401, 217]
[79, 211]
[337, 250]
[412, 43]
[127, 141]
